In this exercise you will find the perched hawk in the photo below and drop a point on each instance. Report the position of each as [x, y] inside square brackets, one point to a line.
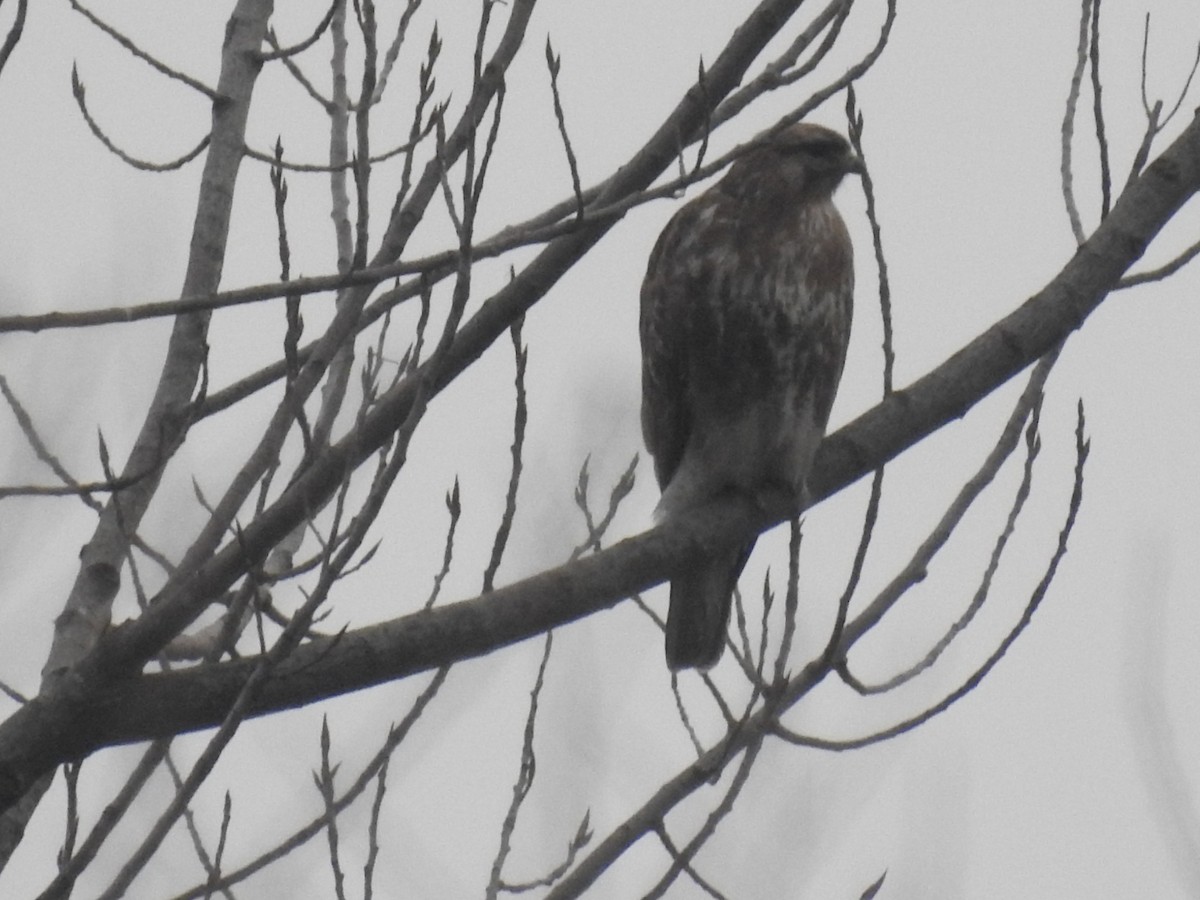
[744, 323]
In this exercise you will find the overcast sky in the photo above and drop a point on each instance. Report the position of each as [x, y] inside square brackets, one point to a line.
[1068, 773]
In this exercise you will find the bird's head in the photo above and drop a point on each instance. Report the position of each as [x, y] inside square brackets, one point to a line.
[800, 162]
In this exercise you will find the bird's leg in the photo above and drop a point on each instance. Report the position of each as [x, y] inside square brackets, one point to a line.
[803, 498]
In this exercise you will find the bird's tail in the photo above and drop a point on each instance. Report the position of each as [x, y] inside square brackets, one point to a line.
[698, 616]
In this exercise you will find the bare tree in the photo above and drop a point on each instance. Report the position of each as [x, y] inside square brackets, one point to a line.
[262, 611]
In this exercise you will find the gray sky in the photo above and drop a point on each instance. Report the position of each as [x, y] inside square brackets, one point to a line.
[1064, 775]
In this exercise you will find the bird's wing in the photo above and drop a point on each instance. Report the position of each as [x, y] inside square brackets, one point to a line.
[668, 296]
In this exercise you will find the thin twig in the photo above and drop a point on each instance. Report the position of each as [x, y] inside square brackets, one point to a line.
[281, 52]
[71, 777]
[311, 829]
[14, 33]
[373, 846]
[1153, 127]
[1164, 271]
[553, 64]
[1082, 448]
[444, 178]
[1033, 448]
[781, 72]
[222, 841]
[914, 571]
[1145, 54]
[684, 857]
[1068, 126]
[324, 780]
[690, 870]
[393, 51]
[454, 506]
[596, 530]
[321, 168]
[206, 862]
[525, 776]
[854, 121]
[60, 888]
[520, 419]
[1186, 84]
[211, 93]
[78, 90]
[579, 840]
[1098, 114]
[295, 71]
[870, 517]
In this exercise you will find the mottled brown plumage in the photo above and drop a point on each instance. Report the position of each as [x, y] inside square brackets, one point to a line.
[745, 318]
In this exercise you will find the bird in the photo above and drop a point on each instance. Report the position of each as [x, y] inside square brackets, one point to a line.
[744, 323]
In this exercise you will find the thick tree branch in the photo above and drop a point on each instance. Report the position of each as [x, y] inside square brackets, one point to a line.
[88, 607]
[41, 725]
[53, 728]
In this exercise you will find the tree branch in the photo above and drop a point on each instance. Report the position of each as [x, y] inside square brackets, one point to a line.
[65, 724]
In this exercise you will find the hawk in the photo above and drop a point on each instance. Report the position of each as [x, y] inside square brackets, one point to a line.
[745, 318]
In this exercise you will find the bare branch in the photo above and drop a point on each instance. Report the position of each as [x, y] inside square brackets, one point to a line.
[373, 847]
[78, 90]
[393, 51]
[870, 517]
[1164, 271]
[430, 639]
[1028, 407]
[305, 833]
[791, 605]
[520, 419]
[231, 721]
[88, 607]
[211, 867]
[163, 68]
[71, 777]
[14, 33]
[1153, 127]
[574, 885]
[1145, 54]
[1098, 113]
[454, 505]
[525, 776]
[1068, 126]
[295, 49]
[1082, 448]
[620, 491]
[348, 164]
[72, 486]
[226, 818]
[776, 74]
[688, 868]
[581, 838]
[854, 120]
[69, 870]
[1186, 84]
[1012, 346]
[295, 71]
[748, 736]
[324, 781]
[553, 64]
